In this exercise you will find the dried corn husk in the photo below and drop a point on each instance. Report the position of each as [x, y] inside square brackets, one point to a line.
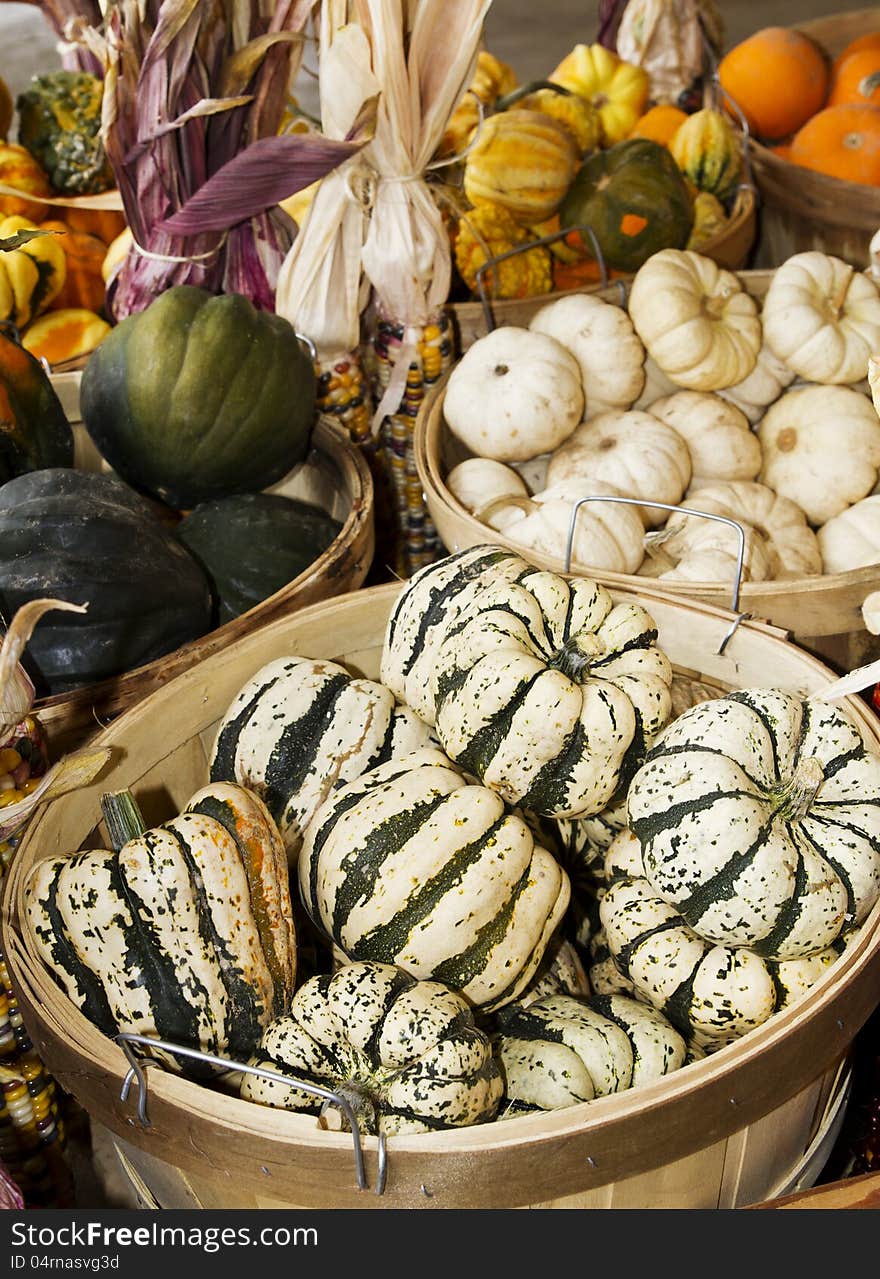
[666, 38]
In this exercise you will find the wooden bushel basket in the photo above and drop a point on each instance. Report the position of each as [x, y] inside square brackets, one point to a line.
[730, 1130]
[801, 209]
[334, 476]
[822, 613]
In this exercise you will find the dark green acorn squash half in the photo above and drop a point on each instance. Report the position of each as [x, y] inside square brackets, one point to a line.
[635, 199]
[199, 397]
[87, 538]
[252, 544]
[34, 430]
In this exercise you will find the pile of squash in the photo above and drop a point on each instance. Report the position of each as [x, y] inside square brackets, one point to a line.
[52, 289]
[697, 394]
[819, 113]
[460, 892]
[584, 149]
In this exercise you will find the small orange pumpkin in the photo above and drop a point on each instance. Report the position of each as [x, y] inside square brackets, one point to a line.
[778, 77]
[843, 142]
[59, 336]
[870, 40]
[106, 224]
[85, 253]
[857, 79]
[19, 169]
[660, 124]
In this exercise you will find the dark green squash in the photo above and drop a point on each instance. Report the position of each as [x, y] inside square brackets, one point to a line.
[87, 538]
[198, 397]
[252, 544]
[34, 430]
[59, 122]
[635, 199]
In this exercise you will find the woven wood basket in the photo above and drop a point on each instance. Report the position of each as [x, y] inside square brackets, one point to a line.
[822, 613]
[335, 476]
[723, 1132]
[800, 209]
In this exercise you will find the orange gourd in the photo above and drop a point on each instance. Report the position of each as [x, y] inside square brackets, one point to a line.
[857, 79]
[778, 77]
[84, 284]
[660, 124]
[59, 336]
[843, 142]
[19, 169]
[870, 40]
[106, 224]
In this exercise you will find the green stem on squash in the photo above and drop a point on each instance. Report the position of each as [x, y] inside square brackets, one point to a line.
[122, 817]
[574, 657]
[524, 90]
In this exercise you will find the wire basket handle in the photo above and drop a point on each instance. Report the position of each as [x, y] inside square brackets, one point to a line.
[136, 1073]
[536, 244]
[682, 510]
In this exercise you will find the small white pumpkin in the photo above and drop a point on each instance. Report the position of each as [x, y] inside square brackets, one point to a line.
[852, 539]
[764, 385]
[533, 471]
[634, 452]
[696, 320]
[657, 385]
[822, 317]
[482, 486]
[718, 436]
[514, 394]
[602, 339]
[695, 550]
[821, 447]
[791, 546]
[608, 535]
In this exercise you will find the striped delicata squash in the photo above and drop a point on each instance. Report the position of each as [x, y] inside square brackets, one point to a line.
[405, 1054]
[548, 691]
[415, 866]
[186, 933]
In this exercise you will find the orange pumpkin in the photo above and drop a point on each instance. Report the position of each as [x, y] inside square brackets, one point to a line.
[870, 40]
[59, 336]
[106, 224]
[843, 142]
[84, 284]
[583, 271]
[660, 124]
[19, 169]
[778, 78]
[857, 79]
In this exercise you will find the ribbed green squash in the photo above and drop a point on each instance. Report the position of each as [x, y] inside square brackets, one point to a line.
[186, 933]
[635, 199]
[708, 151]
[406, 1053]
[198, 397]
[34, 430]
[88, 538]
[252, 544]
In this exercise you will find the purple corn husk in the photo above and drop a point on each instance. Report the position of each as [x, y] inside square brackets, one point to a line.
[10, 1195]
[610, 14]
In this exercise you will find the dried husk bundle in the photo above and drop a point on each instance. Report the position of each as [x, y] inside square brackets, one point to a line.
[69, 19]
[669, 40]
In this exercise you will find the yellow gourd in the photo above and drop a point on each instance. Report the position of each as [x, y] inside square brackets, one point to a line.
[65, 335]
[524, 161]
[32, 276]
[487, 231]
[709, 221]
[617, 89]
[708, 151]
[578, 115]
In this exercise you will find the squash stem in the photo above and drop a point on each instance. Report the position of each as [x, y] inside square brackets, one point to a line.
[525, 90]
[799, 793]
[836, 303]
[574, 657]
[334, 1119]
[122, 817]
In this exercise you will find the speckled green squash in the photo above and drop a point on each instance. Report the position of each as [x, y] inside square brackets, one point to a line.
[406, 1053]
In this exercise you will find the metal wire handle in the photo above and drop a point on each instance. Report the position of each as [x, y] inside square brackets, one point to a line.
[308, 344]
[683, 510]
[136, 1072]
[536, 244]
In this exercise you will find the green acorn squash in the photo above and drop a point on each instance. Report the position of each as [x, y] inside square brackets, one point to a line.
[635, 199]
[198, 397]
[87, 538]
[34, 430]
[59, 122]
[252, 544]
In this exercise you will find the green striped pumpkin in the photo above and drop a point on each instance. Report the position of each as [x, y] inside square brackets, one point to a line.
[547, 691]
[712, 994]
[413, 865]
[758, 814]
[708, 151]
[562, 1050]
[301, 727]
[185, 934]
[432, 599]
[406, 1054]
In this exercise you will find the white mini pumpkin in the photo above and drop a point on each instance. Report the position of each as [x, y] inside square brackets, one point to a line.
[764, 385]
[608, 535]
[533, 471]
[695, 550]
[483, 487]
[602, 339]
[514, 394]
[657, 385]
[821, 447]
[852, 539]
[822, 317]
[634, 452]
[720, 441]
[695, 319]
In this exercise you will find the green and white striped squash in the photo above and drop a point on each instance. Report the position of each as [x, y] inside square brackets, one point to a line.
[405, 1054]
[547, 691]
[432, 599]
[301, 727]
[562, 1050]
[712, 994]
[185, 934]
[758, 814]
[561, 973]
[414, 865]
